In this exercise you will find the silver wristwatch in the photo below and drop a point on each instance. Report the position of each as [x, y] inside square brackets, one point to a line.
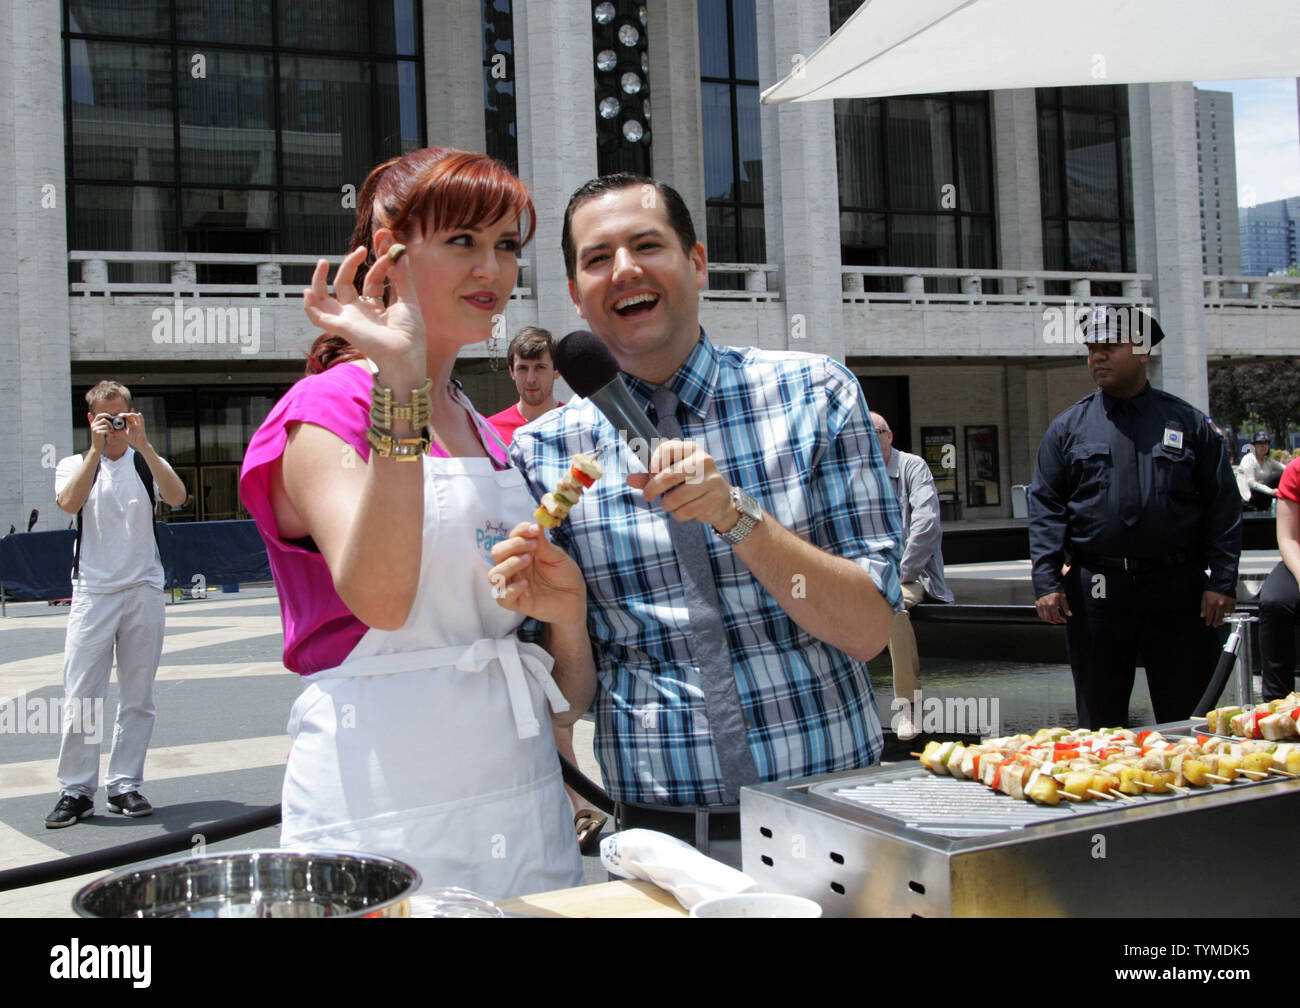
[750, 515]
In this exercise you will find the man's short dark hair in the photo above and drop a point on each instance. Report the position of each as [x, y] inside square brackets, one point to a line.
[679, 218]
[529, 344]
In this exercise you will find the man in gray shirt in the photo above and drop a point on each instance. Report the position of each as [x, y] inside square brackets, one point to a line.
[921, 569]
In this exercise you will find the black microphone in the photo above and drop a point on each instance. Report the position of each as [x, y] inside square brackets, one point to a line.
[591, 371]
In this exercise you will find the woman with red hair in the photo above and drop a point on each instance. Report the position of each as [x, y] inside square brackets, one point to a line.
[380, 492]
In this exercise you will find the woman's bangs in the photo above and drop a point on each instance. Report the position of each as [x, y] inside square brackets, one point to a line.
[470, 190]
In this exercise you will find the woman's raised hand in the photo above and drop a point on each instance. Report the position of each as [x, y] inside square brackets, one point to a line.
[535, 577]
[391, 336]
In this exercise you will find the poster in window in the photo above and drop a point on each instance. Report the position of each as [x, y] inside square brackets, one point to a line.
[939, 449]
[983, 485]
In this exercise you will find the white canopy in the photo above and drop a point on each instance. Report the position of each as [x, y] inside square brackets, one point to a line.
[894, 47]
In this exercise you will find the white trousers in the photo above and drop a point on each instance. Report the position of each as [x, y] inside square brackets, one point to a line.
[902, 645]
[129, 621]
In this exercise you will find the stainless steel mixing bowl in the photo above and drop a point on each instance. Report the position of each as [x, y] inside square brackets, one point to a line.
[256, 883]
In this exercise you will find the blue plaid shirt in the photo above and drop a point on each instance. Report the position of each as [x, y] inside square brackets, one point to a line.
[791, 430]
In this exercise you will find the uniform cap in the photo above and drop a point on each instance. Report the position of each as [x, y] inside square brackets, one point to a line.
[1261, 437]
[1120, 324]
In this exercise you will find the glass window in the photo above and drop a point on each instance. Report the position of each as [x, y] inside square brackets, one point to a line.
[398, 108]
[749, 144]
[733, 136]
[915, 174]
[203, 435]
[721, 222]
[229, 220]
[865, 234]
[330, 24]
[138, 19]
[1090, 164]
[219, 493]
[232, 21]
[499, 110]
[923, 238]
[719, 166]
[325, 117]
[185, 137]
[918, 146]
[122, 218]
[121, 112]
[858, 147]
[227, 133]
[715, 57]
[744, 28]
[1086, 178]
[974, 165]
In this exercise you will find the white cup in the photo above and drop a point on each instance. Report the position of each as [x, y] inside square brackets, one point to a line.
[757, 905]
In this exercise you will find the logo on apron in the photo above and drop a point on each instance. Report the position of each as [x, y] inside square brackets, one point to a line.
[488, 536]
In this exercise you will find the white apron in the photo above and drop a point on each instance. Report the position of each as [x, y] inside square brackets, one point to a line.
[432, 743]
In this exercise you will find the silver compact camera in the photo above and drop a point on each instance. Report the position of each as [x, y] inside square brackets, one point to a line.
[117, 422]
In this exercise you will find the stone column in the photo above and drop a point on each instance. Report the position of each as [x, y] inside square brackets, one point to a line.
[556, 102]
[1022, 444]
[1015, 166]
[35, 343]
[453, 74]
[801, 184]
[676, 130]
[1162, 127]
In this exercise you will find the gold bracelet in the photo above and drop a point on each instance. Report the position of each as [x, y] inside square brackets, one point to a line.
[383, 411]
[403, 449]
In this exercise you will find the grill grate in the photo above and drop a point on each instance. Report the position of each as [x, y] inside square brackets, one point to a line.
[954, 808]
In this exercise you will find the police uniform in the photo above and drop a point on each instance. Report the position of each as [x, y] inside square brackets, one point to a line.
[1134, 586]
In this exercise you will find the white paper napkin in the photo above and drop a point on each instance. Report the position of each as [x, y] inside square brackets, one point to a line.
[672, 865]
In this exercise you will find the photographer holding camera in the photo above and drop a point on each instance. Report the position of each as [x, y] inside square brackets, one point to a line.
[117, 603]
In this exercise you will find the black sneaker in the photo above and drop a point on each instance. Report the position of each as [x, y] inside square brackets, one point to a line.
[133, 804]
[69, 809]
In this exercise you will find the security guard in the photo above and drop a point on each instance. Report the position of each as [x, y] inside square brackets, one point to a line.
[1134, 492]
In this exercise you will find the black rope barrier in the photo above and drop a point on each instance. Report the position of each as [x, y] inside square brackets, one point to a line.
[587, 787]
[139, 850]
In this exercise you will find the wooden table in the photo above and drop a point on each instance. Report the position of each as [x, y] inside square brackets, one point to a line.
[623, 898]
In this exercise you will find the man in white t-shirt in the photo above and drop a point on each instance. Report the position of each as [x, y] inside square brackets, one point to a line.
[117, 604]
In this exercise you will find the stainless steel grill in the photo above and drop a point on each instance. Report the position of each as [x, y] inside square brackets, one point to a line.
[899, 841]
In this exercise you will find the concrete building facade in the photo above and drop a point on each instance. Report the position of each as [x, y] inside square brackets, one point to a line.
[1270, 236]
[1216, 157]
[938, 245]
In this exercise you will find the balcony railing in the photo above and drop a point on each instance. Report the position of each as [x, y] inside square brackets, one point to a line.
[1252, 292]
[182, 271]
[1021, 287]
[177, 274]
[757, 287]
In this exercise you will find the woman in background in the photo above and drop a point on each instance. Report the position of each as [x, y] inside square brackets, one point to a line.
[380, 493]
[1279, 596]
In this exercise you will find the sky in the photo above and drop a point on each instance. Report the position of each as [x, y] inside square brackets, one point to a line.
[1267, 135]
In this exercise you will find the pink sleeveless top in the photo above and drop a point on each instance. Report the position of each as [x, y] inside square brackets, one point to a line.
[319, 630]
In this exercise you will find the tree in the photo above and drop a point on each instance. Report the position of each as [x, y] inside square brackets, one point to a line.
[1267, 396]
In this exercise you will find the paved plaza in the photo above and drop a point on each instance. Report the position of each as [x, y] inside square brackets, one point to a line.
[222, 696]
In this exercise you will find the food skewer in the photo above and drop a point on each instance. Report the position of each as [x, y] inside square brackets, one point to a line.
[584, 470]
[1083, 765]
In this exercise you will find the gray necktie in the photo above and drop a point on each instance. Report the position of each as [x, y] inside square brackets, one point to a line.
[709, 639]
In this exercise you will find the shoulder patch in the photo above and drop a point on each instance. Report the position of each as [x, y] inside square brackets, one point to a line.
[1215, 427]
